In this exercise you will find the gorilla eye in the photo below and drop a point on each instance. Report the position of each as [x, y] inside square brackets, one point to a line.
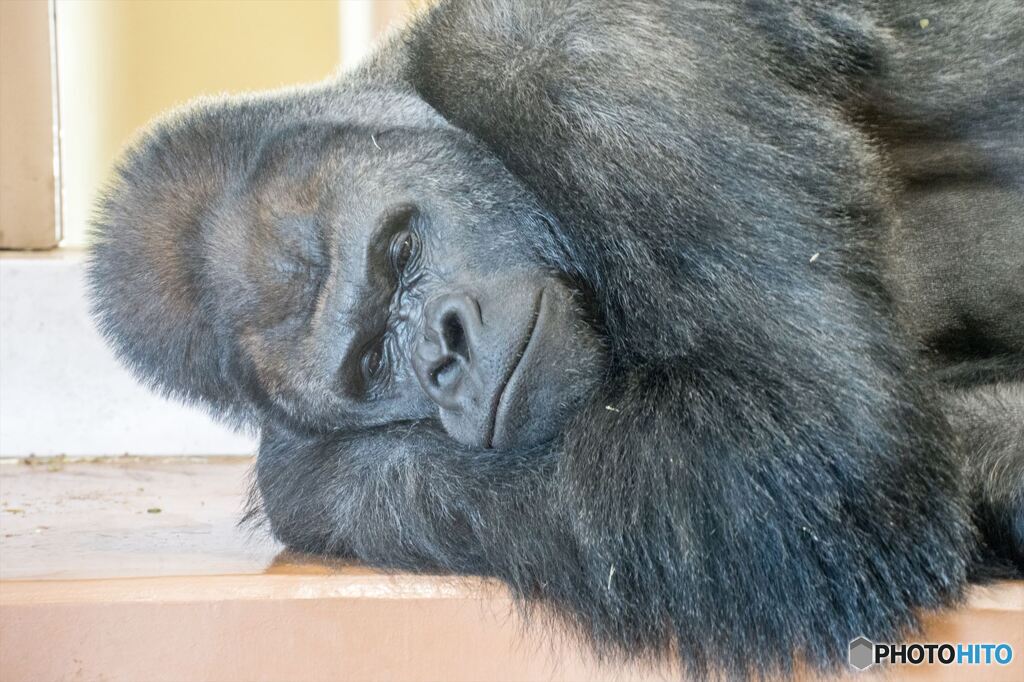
[402, 249]
[373, 360]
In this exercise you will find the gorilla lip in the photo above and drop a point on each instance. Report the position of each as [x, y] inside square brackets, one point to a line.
[509, 380]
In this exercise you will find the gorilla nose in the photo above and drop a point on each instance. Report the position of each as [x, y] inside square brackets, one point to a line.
[444, 358]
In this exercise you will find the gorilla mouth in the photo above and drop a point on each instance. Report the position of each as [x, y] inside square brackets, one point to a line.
[500, 412]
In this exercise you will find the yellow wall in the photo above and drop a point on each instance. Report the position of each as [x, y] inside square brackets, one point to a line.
[122, 62]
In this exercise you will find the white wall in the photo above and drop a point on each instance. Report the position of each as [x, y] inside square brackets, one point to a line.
[61, 389]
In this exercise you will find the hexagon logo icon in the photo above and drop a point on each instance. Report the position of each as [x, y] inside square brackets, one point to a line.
[862, 653]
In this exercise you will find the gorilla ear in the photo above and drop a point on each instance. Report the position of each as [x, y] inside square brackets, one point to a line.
[148, 272]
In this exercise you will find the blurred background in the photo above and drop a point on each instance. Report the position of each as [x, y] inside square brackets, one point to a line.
[78, 78]
[122, 62]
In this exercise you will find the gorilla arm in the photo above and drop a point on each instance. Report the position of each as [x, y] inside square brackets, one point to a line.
[644, 530]
[404, 497]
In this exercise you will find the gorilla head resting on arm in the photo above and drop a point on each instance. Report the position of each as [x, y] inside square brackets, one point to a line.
[603, 300]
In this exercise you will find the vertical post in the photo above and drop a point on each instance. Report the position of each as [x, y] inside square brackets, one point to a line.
[29, 158]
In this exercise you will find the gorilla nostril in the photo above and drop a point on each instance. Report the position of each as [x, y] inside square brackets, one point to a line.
[454, 335]
[445, 353]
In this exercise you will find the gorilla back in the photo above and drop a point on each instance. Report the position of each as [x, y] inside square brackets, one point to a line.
[598, 298]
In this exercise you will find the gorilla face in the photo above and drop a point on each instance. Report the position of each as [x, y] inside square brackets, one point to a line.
[397, 277]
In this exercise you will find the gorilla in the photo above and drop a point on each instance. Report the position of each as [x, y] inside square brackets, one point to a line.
[698, 324]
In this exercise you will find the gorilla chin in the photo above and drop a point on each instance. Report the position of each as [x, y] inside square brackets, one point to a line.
[620, 303]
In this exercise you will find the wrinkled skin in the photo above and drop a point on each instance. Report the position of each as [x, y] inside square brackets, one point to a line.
[701, 324]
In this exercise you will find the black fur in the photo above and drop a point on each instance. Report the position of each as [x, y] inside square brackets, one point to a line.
[746, 197]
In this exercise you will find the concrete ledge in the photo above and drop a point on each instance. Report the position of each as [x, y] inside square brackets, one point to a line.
[134, 569]
[62, 391]
[288, 632]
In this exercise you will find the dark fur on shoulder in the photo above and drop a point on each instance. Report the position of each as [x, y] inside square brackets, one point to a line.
[763, 471]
